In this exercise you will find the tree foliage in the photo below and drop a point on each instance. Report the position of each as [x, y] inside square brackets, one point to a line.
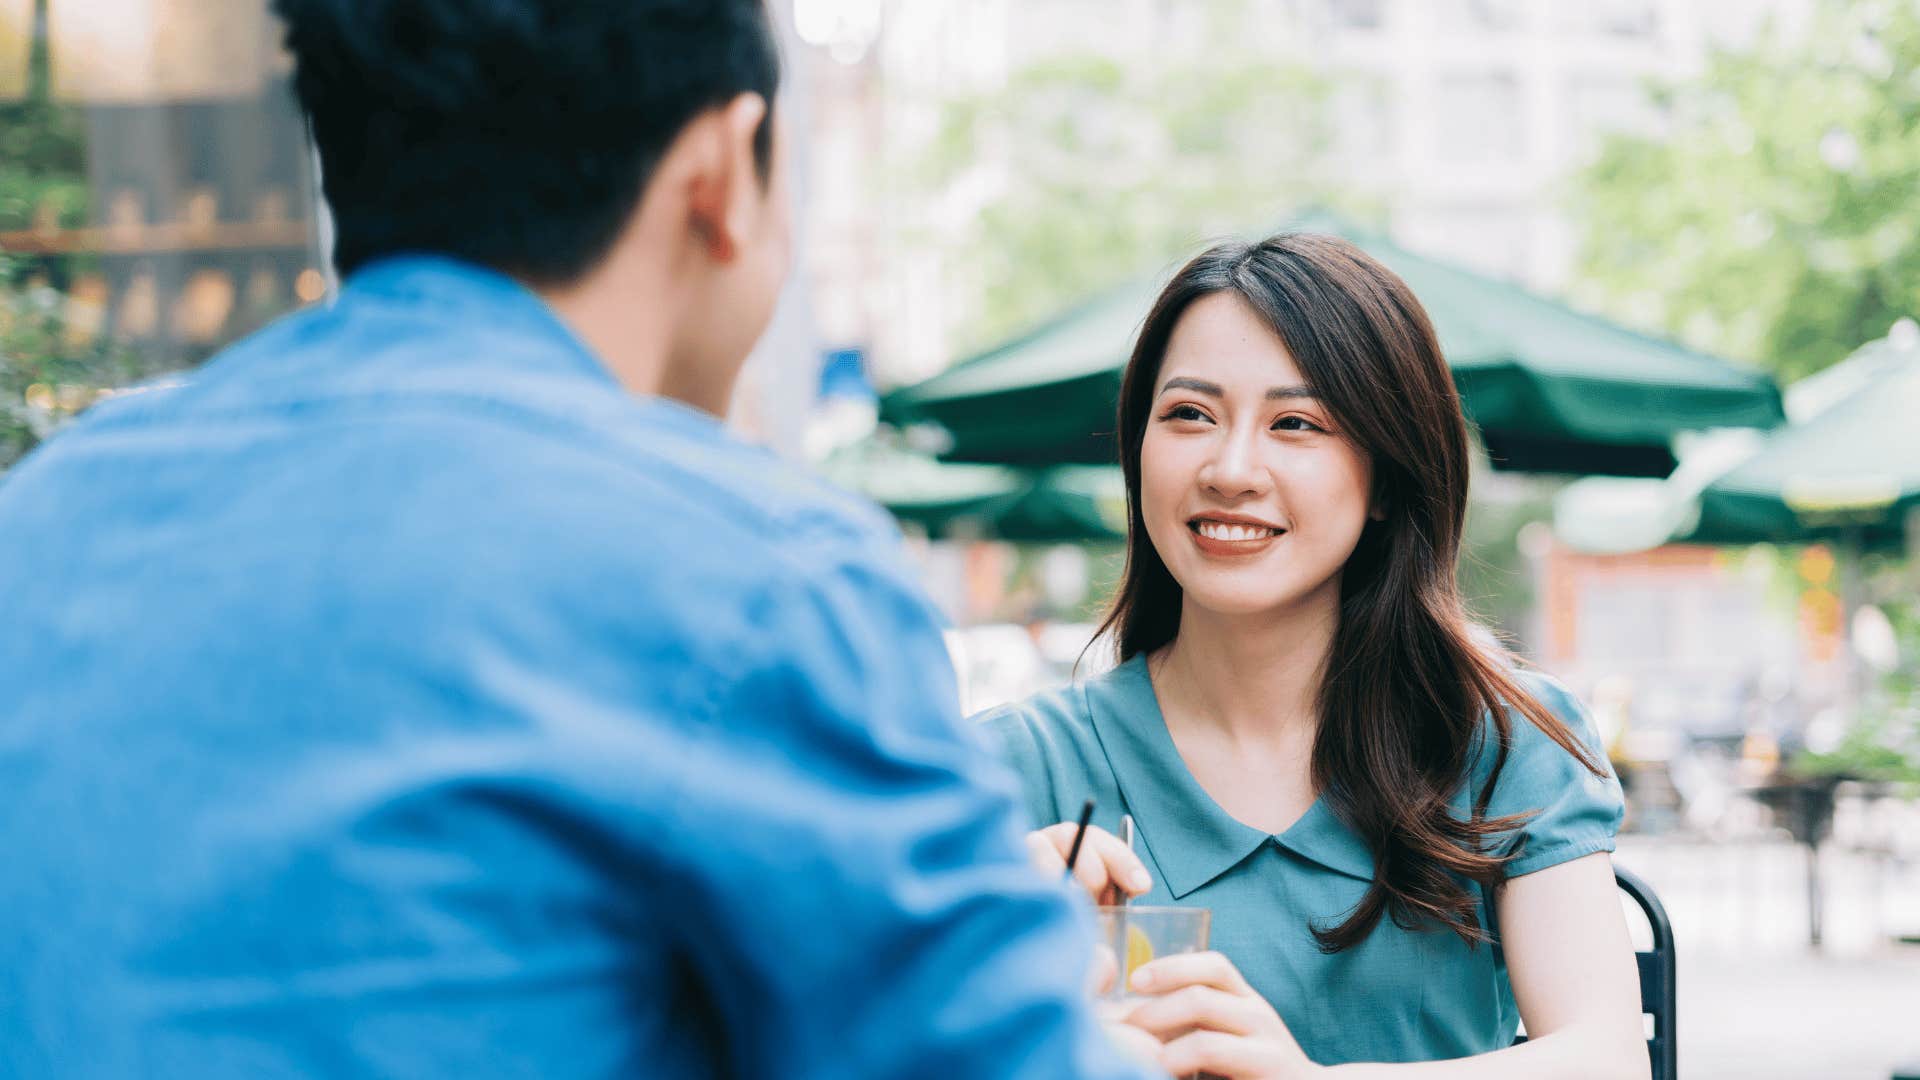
[50, 367]
[1095, 170]
[49, 370]
[1777, 217]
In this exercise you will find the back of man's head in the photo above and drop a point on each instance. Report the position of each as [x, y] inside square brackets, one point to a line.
[517, 134]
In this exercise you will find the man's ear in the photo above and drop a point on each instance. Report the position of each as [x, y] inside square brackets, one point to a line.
[725, 187]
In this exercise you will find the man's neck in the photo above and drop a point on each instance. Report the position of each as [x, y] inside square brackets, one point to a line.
[631, 340]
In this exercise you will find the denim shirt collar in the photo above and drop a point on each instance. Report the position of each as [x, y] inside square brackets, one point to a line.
[468, 295]
[526, 337]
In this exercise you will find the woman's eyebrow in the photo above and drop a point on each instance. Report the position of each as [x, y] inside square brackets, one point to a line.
[1201, 386]
[1198, 386]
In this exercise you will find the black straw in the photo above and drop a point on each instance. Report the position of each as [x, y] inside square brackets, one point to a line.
[1079, 834]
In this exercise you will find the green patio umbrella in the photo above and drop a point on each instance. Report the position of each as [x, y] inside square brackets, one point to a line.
[1065, 504]
[1844, 470]
[1551, 389]
[939, 497]
[1847, 470]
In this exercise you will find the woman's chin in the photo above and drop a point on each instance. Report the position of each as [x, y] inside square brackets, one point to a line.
[1242, 595]
[1240, 603]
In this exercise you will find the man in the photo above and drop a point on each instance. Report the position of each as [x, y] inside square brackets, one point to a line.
[430, 686]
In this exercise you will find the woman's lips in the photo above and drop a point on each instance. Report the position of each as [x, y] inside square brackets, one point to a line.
[1232, 539]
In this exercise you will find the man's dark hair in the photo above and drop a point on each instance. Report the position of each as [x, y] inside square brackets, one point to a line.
[518, 134]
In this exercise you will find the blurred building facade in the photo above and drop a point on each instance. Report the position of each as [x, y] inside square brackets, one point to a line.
[1462, 119]
[196, 222]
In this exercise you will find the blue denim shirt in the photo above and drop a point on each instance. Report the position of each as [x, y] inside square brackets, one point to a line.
[399, 697]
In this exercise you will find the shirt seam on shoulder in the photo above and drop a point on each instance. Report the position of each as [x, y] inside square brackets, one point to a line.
[560, 428]
[1542, 858]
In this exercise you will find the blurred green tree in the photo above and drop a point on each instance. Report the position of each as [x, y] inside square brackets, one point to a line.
[49, 369]
[43, 168]
[1777, 217]
[1100, 168]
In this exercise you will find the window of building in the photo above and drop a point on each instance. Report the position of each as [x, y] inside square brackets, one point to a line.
[1631, 19]
[1358, 14]
[1626, 18]
[1480, 15]
[1479, 118]
[156, 196]
[1364, 120]
[1601, 104]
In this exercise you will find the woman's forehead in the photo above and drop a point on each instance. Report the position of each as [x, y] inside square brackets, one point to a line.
[1219, 339]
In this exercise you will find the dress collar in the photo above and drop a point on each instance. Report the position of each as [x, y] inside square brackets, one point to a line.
[1189, 837]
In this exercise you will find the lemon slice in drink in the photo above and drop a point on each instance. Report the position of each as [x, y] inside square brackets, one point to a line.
[1139, 949]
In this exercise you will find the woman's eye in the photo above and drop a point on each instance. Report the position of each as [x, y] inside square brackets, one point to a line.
[1296, 423]
[1184, 412]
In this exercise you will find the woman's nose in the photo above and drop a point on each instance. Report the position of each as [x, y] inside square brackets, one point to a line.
[1235, 468]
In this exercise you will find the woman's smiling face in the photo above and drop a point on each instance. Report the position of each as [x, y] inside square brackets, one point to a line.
[1250, 492]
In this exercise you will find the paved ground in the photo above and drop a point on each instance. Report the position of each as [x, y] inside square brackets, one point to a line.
[1799, 1018]
[1756, 1002]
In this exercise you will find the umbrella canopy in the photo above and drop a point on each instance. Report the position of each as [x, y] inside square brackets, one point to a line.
[1848, 468]
[1845, 469]
[1045, 398]
[1066, 504]
[1551, 389]
[937, 496]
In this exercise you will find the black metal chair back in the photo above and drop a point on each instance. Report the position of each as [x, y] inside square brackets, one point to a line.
[1657, 993]
[1656, 977]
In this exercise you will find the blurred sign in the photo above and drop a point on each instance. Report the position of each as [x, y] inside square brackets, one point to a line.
[159, 50]
[16, 38]
[845, 28]
[1831, 500]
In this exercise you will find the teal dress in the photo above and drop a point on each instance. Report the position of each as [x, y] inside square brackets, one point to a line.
[1400, 995]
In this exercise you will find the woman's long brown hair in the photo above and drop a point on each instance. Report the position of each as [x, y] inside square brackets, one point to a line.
[1408, 688]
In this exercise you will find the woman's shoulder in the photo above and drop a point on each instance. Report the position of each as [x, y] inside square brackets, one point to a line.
[1550, 692]
[1066, 711]
[1529, 751]
[1052, 741]
[1038, 737]
[1572, 809]
[1034, 724]
[1525, 737]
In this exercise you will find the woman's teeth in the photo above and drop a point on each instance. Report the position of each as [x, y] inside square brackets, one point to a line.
[1214, 530]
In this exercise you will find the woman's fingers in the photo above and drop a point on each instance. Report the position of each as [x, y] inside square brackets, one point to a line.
[1203, 1007]
[1137, 1044]
[1124, 868]
[1103, 861]
[1228, 1056]
[1090, 872]
[1213, 1022]
[1044, 856]
[1102, 971]
[1170, 973]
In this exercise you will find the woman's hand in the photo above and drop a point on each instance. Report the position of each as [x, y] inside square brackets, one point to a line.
[1211, 1021]
[1134, 1042]
[1105, 868]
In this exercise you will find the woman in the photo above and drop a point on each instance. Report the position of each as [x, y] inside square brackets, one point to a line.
[1403, 839]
